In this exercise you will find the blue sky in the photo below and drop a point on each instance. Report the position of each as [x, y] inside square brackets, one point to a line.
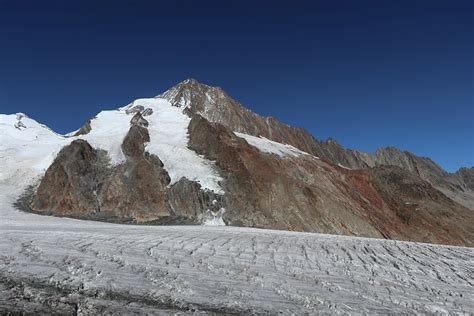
[367, 73]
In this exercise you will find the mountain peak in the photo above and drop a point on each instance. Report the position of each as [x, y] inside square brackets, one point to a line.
[192, 82]
[190, 92]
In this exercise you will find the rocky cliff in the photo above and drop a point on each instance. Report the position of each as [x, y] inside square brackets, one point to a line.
[306, 194]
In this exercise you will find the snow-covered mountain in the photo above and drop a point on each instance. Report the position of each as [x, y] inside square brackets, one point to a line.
[194, 155]
[217, 106]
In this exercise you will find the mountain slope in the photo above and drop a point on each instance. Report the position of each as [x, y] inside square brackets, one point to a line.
[216, 106]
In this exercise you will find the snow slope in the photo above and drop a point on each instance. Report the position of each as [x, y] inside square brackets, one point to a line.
[169, 141]
[108, 129]
[27, 148]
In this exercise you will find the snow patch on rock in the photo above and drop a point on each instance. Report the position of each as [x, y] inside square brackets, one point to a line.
[269, 146]
[344, 167]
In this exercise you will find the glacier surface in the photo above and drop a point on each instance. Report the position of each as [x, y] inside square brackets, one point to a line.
[50, 264]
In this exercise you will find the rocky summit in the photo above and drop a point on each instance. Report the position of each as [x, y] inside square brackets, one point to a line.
[194, 155]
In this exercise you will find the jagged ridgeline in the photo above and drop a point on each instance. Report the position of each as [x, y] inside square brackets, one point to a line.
[194, 155]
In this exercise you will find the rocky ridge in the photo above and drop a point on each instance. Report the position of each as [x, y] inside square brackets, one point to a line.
[215, 105]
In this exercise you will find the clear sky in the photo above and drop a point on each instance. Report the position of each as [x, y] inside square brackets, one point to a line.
[367, 73]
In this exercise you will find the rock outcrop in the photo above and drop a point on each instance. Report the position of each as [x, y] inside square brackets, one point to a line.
[85, 129]
[138, 120]
[80, 183]
[70, 183]
[466, 175]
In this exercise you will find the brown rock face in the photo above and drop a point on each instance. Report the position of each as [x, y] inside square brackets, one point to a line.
[85, 129]
[79, 183]
[70, 182]
[306, 194]
[133, 145]
[136, 190]
[409, 208]
[467, 177]
[187, 200]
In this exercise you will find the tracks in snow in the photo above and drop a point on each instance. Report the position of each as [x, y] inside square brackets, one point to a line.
[236, 270]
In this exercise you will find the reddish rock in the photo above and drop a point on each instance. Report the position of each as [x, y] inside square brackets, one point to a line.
[69, 183]
[306, 194]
